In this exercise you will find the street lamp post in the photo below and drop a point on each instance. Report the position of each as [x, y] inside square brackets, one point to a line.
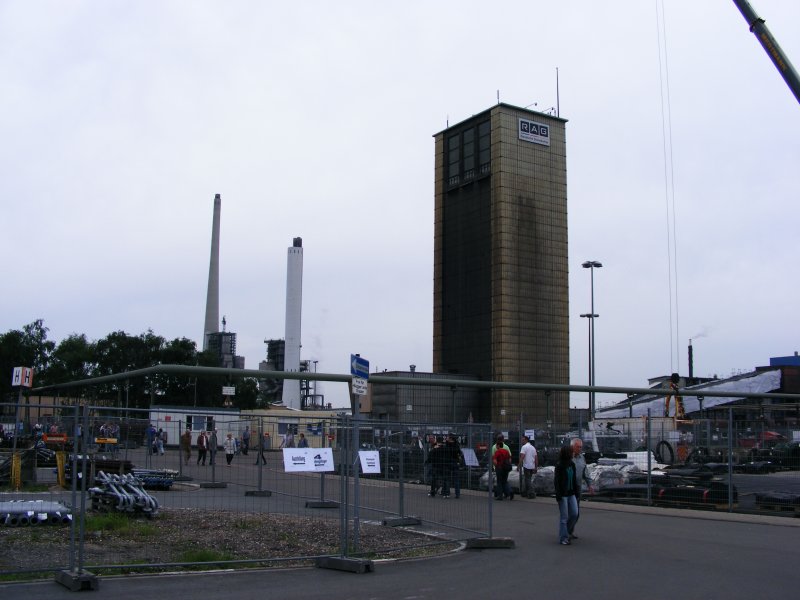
[592, 265]
[591, 317]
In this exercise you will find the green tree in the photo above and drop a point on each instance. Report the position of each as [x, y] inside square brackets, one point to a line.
[119, 352]
[178, 389]
[26, 348]
[209, 388]
[76, 358]
[37, 346]
[246, 393]
[11, 355]
[72, 360]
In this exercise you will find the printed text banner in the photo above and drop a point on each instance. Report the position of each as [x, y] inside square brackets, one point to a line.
[299, 460]
[370, 461]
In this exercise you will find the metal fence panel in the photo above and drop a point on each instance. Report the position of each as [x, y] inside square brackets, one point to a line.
[147, 502]
[96, 487]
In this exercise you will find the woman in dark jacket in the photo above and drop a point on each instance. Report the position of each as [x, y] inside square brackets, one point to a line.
[566, 484]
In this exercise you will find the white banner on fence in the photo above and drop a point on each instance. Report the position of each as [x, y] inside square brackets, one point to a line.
[470, 459]
[297, 460]
[370, 461]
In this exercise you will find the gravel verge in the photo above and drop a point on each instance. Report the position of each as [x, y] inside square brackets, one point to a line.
[196, 535]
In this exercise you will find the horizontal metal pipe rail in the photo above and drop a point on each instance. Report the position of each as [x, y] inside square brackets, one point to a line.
[191, 371]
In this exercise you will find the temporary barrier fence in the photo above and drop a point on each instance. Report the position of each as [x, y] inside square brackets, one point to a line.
[135, 505]
[724, 460]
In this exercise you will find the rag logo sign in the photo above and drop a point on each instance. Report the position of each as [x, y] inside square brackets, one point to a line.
[531, 131]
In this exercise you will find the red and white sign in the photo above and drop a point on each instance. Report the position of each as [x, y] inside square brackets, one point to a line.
[22, 377]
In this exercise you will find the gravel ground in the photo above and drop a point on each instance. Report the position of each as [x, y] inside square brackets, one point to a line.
[194, 535]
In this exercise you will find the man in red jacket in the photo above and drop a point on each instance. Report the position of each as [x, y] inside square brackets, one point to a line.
[502, 467]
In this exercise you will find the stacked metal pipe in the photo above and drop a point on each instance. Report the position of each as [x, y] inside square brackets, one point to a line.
[156, 479]
[124, 493]
[19, 513]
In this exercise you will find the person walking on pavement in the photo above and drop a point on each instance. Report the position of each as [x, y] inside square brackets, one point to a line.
[566, 485]
[213, 445]
[151, 439]
[162, 441]
[455, 459]
[246, 440]
[186, 445]
[438, 459]
[501, 459]
[302, 442]
[230, 448]
[500, 438]
[528, 464]
[202, 447]
[582, 476]
[288, 440]
[263, 442]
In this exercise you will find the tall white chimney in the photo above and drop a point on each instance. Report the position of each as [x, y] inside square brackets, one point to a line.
[294, 309]
[212, 296]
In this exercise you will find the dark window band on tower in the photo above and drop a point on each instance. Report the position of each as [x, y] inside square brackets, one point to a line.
[469, 154]
[484, 147]
[465, 162]
[454, 159]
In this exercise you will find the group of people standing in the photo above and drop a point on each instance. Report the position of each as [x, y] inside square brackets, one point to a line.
[288, 440]
[502, 463]
[207, 446]
[445, 460]
[570, 473]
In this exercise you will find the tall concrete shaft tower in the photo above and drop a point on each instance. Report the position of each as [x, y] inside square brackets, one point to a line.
[501, 277]
[212, 297]
[294, 309]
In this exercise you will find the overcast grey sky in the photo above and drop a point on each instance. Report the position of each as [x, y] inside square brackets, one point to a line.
[121, 120]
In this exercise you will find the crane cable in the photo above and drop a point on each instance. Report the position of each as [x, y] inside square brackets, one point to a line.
[669, 185]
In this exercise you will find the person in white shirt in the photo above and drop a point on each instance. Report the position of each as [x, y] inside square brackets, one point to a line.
[528, 463]
[230, 448]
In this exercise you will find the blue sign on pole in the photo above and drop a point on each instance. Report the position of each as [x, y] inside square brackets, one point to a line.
[359, 367]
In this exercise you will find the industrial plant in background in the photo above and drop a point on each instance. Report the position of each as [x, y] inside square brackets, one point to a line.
[282, 355]
[294, 310]
[221, 343]
[271, 389]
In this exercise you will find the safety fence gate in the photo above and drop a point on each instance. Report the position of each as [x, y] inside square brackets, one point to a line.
[89, 490]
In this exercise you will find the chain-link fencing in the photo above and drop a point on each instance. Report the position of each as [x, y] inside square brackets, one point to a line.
[131, 490]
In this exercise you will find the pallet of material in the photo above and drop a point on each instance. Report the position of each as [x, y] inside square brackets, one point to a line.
[714, 495]
[782, 502]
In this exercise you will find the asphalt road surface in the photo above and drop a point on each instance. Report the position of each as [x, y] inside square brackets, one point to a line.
[623, 552]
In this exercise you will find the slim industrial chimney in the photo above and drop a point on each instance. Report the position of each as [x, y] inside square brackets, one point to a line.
[691, 362]
[294, 309]
[212, 297]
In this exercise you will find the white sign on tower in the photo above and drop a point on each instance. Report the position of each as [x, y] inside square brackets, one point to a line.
[22, 377]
